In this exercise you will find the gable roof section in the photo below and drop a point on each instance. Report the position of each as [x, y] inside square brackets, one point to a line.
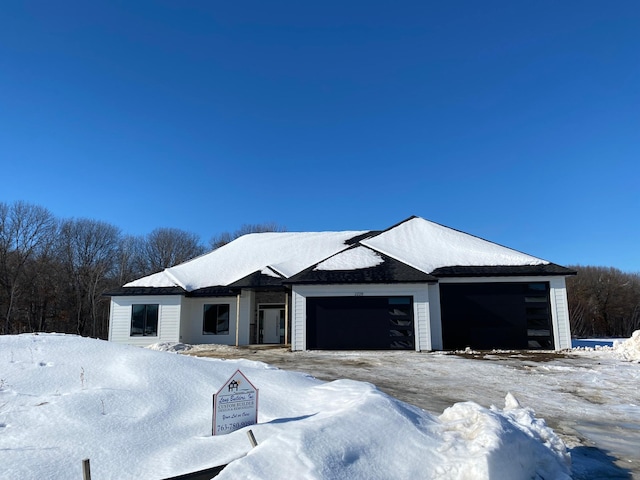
[428, 246]
[286, 253]
[360, 264]
[265, 278]
[414, 250]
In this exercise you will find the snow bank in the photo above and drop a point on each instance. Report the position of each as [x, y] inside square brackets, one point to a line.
[494, 443]
[630, 348]
[169, 347]
[140, 413]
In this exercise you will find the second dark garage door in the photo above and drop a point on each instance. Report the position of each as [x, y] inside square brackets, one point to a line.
[360, 323]
[496, 315]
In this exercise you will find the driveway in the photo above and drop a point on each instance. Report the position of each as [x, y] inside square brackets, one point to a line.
[590, 399]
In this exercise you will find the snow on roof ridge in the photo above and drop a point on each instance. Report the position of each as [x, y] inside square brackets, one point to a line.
[358, 260]
[386, 246]
[276, 272]
[171, 276]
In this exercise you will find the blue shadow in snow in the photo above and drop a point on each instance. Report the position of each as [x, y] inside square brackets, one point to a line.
[292, 419]
[588, 463]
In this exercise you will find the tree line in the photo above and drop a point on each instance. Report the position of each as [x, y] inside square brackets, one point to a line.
[54, 273]
[603, 302]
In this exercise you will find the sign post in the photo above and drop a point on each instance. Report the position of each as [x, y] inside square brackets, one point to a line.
[235, 405]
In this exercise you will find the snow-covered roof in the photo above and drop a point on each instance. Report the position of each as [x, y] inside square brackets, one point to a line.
[416, 242]
[427, 246]
[284, 252]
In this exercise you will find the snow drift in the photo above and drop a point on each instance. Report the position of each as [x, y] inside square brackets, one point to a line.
[630, 348]
[139, 413]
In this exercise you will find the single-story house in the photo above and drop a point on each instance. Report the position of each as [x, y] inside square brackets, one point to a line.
[417, 285]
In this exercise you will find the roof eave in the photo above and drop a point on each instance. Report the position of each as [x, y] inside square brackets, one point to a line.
[140, 291]
[549, 269]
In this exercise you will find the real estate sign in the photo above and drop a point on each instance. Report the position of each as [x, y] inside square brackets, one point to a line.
[235, 405]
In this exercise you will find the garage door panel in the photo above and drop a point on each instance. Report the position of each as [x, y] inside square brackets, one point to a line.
[496, 315]
[358, 323]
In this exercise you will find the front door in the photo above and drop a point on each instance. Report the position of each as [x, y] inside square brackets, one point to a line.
[272, 325]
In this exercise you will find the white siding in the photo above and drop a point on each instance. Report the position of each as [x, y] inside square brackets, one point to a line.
[298, 321]
[191, 330]
[168, 319]
[419, 293]
[560, 313]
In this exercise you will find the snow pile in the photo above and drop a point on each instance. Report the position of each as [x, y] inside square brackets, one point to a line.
[630, 348]
[140, 413]
[169, 347]
[505, 443]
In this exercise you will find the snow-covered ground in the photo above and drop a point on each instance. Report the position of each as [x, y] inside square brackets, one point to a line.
[140, 413]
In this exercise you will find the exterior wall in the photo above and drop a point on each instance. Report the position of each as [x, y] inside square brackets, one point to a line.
[419, 293]
[191, 328]
[191, 321]
[180, 318]
[560, 312]
[169, 315]
[557, 296]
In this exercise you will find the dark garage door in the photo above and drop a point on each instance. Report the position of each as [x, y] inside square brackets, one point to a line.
[496, 315]
[360, 323]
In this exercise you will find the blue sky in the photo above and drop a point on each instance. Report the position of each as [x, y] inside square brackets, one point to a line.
[518, 122]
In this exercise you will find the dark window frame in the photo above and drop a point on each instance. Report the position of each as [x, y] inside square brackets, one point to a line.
[217, 310]
[144, 319]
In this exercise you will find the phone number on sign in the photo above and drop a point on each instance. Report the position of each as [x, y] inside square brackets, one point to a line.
[230, 427]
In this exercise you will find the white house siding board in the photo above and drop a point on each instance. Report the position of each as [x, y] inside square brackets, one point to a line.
[422, 320]
[557, 297]
[560, 313]
[419, 292]
[168, 319]
[298, 318]
[192, 321]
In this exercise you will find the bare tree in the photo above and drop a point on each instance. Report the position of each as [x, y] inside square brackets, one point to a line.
[88, 249]
[223, 238]
[129, 263]
[603, 301]
[25, 231]
[166, 247]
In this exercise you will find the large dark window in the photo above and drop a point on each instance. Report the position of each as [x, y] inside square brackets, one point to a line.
[216, 319]
[144, 320]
